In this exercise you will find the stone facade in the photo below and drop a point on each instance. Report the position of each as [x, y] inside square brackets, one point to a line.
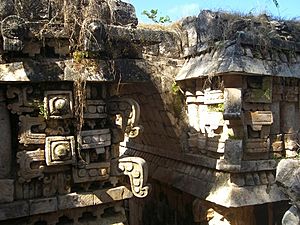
[61, 117]
[238, 118]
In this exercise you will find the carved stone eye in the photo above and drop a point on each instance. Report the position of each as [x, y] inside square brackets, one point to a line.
[61, 151]
[60, 104]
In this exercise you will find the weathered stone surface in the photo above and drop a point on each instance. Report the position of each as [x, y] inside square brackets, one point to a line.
[7, 190]
[44, 205]
[232, 156]
[123, 13]
[74, 200]
[5, 138]
[6, 8]
[14, 210]
[291, 217]
[287, 174]
[232, 103]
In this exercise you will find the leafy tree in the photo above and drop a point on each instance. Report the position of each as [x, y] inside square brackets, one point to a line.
[152, 15]
[276, 3]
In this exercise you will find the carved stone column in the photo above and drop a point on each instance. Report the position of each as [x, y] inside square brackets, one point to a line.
[5, 138]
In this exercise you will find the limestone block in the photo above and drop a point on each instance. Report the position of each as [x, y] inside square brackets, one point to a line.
[43, 205]
[291, 94]
[259, 91]
[193, 141]
[213, 97]
[276, 142]
[233, 103]
[74, 200]
[200, 96]
[249, 179]
[256, 145]
[258, 119]
[7, 190]
[95, 109]
[256, 178]
[287, 115]
[5, 138]
[193, 116]
[112, 194]
[232, 156]
[95, 138]
[270, 177]
[170, 46]
[263, 177]
[91, 172]
[275, 126]
[233, 151]
[13, 210]
[237, 179]
[191, 99]
[202, 140]
[233, 81]
[215, 146]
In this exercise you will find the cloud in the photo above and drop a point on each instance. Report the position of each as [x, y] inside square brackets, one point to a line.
[180, 11]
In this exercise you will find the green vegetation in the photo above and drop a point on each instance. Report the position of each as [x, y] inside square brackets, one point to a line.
[276, 3]
[78, 56]
[39, 105]
[216, 107]
[152, 15]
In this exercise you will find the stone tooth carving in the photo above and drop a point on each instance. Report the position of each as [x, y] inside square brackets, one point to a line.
[129, 110]
[137, 170]
[26, 135]
[258, 119]
[13, 30]
[58, 104]
[60, 150]
[95, 109]
[25, 160]
[97, 139]
[92, 172]
[22, 104]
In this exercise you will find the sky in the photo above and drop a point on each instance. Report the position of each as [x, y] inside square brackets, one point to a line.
[176, 9]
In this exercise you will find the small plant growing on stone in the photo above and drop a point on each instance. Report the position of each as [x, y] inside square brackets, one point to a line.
[78, 56]
[152, 15]
[39, 105]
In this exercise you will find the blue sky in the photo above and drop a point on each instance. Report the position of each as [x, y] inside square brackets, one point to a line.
[177, 9]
